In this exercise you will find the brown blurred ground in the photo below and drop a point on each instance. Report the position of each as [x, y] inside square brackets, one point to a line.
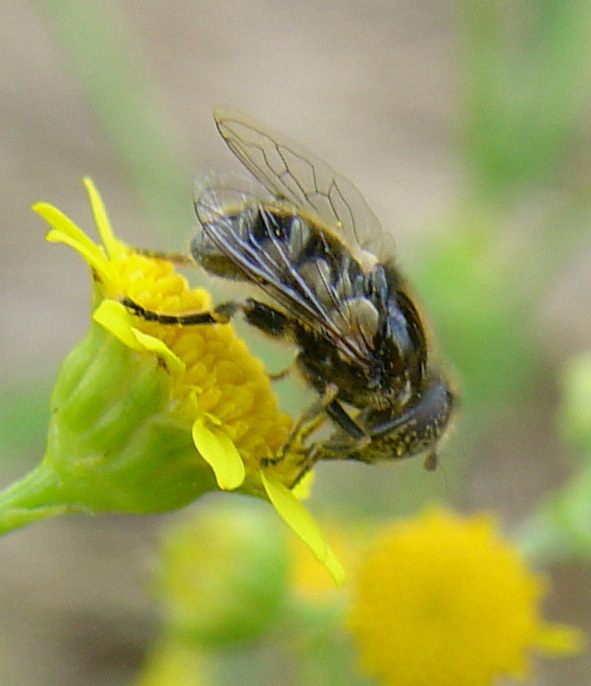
[368, 85]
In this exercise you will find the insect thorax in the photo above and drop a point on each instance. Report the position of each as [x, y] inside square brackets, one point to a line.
[354, 326]
[278, 239]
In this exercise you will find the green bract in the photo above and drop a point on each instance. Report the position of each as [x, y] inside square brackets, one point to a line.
[112, 446]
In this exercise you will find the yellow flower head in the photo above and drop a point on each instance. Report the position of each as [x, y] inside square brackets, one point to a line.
[443, 600]
[217, 388]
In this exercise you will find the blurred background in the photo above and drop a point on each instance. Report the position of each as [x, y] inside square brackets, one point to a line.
[467, 130]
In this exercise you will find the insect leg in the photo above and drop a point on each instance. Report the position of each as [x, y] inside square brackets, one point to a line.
[221, 314]
[313, 417]
[285, 372]
[307, 459]
[337, 413]
[309, 417]
[180, 258]
[266, 318]
[280, 375]
[357, 436]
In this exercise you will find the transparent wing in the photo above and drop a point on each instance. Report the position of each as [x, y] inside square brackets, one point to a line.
[288, 170]
[268, 252]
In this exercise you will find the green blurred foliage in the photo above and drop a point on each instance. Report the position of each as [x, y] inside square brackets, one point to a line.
[560, 527]
[524, 69]
[223, 574]
[575, 408]
[228, 588]
[479, 314]
[101, 52]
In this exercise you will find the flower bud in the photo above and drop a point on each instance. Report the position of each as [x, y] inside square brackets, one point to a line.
[224, 574]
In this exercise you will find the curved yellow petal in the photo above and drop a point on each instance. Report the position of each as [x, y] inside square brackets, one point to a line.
[62, 224]
[93, 256]
[101, 219]
[301, 521]
[158, 347]
[221, 454]
[303, 488]
[113, 316]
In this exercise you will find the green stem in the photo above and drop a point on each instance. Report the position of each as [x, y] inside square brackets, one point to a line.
[35, 497]
[100, 49]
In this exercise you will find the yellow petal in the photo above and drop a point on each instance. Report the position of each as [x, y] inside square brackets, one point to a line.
[155, 345]
[113, 316]
[65, 231]
[101, 219]
[62, 224]
[221, 454]
[301, 521]
[303, 488]
[94, 257]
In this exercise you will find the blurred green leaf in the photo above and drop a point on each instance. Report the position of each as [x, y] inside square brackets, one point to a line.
[479, 314]
[223, 574]
[100, 50]
[525, 68]
[560, 528]
[575, 408]
[561, 525]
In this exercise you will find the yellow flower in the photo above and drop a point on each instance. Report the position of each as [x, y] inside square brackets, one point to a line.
[443, 600]
[217, 388]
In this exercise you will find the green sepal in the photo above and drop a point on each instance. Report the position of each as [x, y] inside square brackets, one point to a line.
[113, 442]
[112, 439]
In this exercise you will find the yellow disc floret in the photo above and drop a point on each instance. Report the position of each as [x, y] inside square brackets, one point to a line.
[221, 379]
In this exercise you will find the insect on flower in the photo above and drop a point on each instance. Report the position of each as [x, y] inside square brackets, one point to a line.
[324, 278]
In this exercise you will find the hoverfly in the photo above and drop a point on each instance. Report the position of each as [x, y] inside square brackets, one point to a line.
[325, 281]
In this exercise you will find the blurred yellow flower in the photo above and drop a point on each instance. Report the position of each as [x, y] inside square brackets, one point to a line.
[442, 600]
[218, 389]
